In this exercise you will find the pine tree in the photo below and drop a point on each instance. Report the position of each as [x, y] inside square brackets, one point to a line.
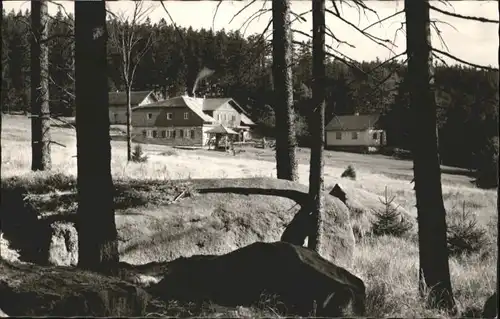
[317, 124]
[434, 269]
[286, 163]
[97, 235]
[40, 112]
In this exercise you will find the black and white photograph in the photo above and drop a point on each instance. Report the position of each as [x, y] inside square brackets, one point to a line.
[249, 159]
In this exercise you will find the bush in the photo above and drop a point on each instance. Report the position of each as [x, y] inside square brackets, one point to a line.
[138, 155]
[39, 183]
[464, 235]
[349, 173]
[388, 220]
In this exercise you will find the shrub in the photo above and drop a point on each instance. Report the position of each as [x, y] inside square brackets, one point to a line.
[39, 182]
[349, 173]
[388, 220]
[138, 155]
[464, 235]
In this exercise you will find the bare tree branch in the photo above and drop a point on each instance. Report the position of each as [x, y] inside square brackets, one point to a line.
[375, 39]
[61, 8]
[384, 19]
[456, 15]
[171, 20]
[438, 33]
[259, 13]
[241, 10]
[488, 68]
[215, 14]
[329, 32]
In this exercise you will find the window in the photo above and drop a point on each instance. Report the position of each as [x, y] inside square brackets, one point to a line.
[150, 116]
[375, 136]
[115, 116]
[192, 134]
[144, 133]
[148, 134]
[233, 118]
[163, 134]
[181, 133]
[186, 115]
[354, 135]
[169, 116]
[173, 134]
[338, 135]
[155, 134]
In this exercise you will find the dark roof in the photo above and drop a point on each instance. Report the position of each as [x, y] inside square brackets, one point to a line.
[352, 122]
[195, 104]
[120, 98]
[212, 104]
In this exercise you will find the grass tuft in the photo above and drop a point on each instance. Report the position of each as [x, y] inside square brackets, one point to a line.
[349, 172]
[138, 155]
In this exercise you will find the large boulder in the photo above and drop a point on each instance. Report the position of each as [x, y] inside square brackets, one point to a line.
[297, 276]
[227, 214]
[362, 204]
[32, 290]
[490, 309]
[157, 218]
[63, 246]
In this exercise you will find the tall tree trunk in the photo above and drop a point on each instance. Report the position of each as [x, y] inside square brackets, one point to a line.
[1, 116]
[286, 163]
[40, 112]
[434, 271]
[317, 123]
[97, 235]
[129, 124]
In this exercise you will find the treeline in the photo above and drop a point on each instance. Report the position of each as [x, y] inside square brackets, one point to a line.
[467, 98]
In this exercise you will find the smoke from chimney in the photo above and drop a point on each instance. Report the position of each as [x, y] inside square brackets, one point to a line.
[205, 72]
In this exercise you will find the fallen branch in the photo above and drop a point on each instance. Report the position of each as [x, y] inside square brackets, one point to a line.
[63, 121]
[57, 143]
[180, 196]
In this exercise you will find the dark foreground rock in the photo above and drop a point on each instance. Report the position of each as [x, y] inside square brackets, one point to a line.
[490, 309]
[31, 290]
[298, 276]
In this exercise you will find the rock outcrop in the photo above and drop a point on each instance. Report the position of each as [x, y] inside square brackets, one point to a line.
[32, 290]
[490, 309]
[299, 277]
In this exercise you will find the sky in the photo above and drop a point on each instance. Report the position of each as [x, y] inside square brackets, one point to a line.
[471, 41]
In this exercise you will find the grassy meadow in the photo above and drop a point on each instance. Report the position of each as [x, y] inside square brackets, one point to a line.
[388, 265]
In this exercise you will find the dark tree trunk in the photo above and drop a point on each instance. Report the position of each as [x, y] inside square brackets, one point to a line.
[286, 163]
[129, 124]
[317, 123]
[40, 112]
[1, 115]
[97, 235]
[434, 269]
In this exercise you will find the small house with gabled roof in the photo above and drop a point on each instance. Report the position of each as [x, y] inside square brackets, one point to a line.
[355, 132]
[118, 104]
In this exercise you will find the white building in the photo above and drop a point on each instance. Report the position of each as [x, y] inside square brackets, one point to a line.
[355, 132]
